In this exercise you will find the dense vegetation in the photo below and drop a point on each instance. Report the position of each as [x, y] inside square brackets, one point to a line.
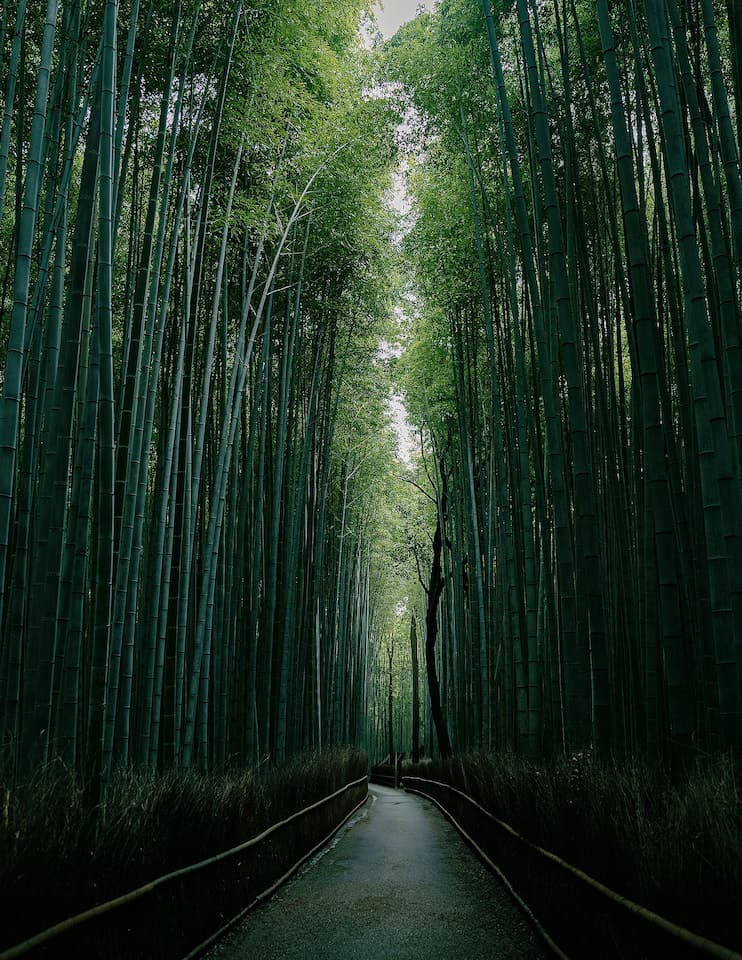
[193, 428]
[213, 554]
[670, 843]
[573, 362]
[62, 853]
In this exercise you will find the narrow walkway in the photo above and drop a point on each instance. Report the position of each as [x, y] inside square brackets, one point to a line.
[397, 883]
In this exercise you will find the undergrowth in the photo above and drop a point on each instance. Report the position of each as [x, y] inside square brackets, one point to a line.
[61, 853]
[670, 843]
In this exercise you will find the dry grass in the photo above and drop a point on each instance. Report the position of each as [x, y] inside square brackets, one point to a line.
[60, 853]
[672, 844]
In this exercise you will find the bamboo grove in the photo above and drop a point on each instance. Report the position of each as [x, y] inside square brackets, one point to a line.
[574, 363]
[191, 230]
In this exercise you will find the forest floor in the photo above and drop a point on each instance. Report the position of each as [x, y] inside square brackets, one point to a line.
[398, 883]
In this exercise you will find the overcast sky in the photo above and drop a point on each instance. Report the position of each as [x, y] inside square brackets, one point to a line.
[393, 13]
[390, 16]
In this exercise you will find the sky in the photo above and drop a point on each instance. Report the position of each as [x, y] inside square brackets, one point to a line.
[390, 16]
[393, 13]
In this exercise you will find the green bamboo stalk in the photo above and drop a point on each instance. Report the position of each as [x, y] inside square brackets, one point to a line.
[10, 401]
[106, 435]
[718, 491]
[10, 88]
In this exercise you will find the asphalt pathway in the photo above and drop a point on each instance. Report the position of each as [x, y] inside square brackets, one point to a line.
[396, 883]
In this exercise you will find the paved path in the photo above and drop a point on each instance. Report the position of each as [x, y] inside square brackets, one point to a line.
[397, 883]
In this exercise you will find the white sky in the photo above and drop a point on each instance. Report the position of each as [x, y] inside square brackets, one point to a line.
[391, 14]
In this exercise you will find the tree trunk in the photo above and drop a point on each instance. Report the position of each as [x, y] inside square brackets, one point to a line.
[415, 692]
[390, 717]
[435, 589]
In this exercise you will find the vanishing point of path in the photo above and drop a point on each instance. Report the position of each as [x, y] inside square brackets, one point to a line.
[397, 883]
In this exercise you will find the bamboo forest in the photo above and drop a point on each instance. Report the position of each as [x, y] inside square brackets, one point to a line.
[370, 407]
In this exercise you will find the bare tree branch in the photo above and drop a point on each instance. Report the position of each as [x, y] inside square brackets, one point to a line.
[418, 487]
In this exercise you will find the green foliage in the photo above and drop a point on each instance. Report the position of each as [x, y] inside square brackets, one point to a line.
[570, 262]
[247, 296]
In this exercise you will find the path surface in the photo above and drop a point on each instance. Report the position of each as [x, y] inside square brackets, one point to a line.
[397, 883]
